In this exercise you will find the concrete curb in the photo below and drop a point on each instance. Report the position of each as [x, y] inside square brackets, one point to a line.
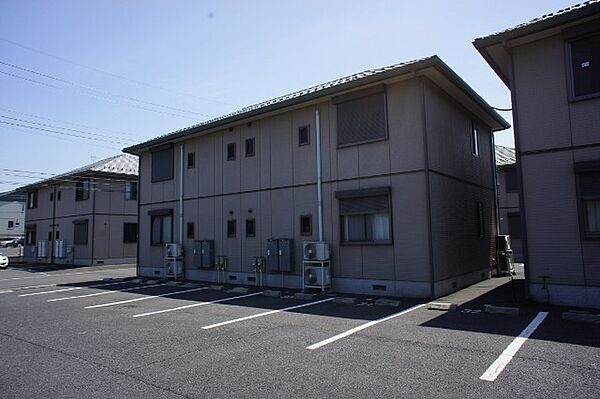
[387, 302]
[191, 285]
[276, 294]
[501, 310]
[581, 317]
[172, 284]
[137, 280]
[151, 282]
[303, 296]
[345, 300]
[216, 288]
[444, 306]
[238, 290]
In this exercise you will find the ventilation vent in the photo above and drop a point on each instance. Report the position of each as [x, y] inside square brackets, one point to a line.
[233, 277]
[379, 287]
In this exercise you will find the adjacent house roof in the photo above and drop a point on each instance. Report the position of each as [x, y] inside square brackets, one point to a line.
[12, 196]
[493, 47]
[424, 66]
[505, 156]
[118, 165]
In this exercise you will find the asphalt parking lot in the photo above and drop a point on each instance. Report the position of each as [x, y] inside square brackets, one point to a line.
[82, 332]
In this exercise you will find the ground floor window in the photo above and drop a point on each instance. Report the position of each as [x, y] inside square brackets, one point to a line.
[365, 216]
[80, 232]
[30, 235]
[162, 229]
[130, 233]
[588, 188]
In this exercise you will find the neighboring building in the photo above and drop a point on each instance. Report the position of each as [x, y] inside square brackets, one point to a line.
[12, 215]
[552, 67]
[508, 199]
[407, 171]
[84, 217]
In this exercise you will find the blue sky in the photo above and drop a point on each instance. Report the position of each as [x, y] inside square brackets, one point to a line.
[121, 72]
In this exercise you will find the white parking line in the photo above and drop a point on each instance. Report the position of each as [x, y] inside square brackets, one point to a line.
[511, 350]
[102, 305]
[361, 327]
[65, 274]
[72, 288]
[105, 292]
[254, 316]
[30, 287]
[196, 304]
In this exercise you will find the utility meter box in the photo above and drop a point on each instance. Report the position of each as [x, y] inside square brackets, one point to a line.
[280, 255]
[204, 254]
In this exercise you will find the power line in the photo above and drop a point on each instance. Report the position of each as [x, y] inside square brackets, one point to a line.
[114, 75]
[94, 96]
[68, 82]
[61, 133]
[63, 128]
[26, 171]
[63, 121]
[24, 130]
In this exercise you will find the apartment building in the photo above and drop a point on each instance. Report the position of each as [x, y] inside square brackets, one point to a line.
[12, 215]
[404, 156]
[87, 216]
[552, 67]
[509, 210]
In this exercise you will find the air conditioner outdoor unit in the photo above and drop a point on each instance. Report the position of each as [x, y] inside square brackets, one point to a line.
[174, 268]
[60, 248]
[316, 250]
[42, 249]
[173, 250]
[317, 276]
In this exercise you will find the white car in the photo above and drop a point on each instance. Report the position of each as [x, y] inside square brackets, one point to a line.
[3, 261]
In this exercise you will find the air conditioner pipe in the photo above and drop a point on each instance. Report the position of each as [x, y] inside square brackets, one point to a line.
[319, 177]
[180, 208]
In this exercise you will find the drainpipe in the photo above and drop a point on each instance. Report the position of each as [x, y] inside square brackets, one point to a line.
[51, 243]
[495, 178]
[319, 177]
[181, 194]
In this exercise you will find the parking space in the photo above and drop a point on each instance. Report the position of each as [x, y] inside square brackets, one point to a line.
[193, 341]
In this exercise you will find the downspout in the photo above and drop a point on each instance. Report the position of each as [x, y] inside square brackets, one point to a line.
[139, 200]
[495, 178]
[51, 243]
[319, 177]
[93, 188]
[181, 194]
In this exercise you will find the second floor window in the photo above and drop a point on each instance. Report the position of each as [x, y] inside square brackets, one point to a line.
[32, 199]
[131, 190]
[82, 190]
[585, 66]
[231, 151]
[474, 139]
[162, 164]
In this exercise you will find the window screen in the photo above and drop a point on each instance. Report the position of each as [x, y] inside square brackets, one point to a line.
[361, 119]
[131, 190]
[585, 65]
[511, 179]
[306, 225]
[191, 160]
[130, 232]
[231, 228]
[162, 164]
[80, 232]
[82, 190]
[304, 135]
[250, 147]
[250, 227]
[231, 151]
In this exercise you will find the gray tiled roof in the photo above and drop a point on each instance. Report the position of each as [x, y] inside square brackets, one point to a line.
[122, 164]
[324, 89]
[541, 20]
[505, 156]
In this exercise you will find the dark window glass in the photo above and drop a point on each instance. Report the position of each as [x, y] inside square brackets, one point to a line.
[49, 236]
[190, 230]
[231, 227]
[191, 160]
[131, 190]
[11, 224]
[304, 135]
[361, 119]
[306, 225]
[57, 237]
[51, 197]
[480, 220]
[250, 147]
[514, 224]
[161, 229]
[474, 138]
[30, 235]
[80, 233]
[82, 190]
[585, 64]
[366, 219]
[32, 199]
[231, 151]
[589, 196]
[511, 178]
[250, 227]
[130, 232]
[58, 195]
[162, 164]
